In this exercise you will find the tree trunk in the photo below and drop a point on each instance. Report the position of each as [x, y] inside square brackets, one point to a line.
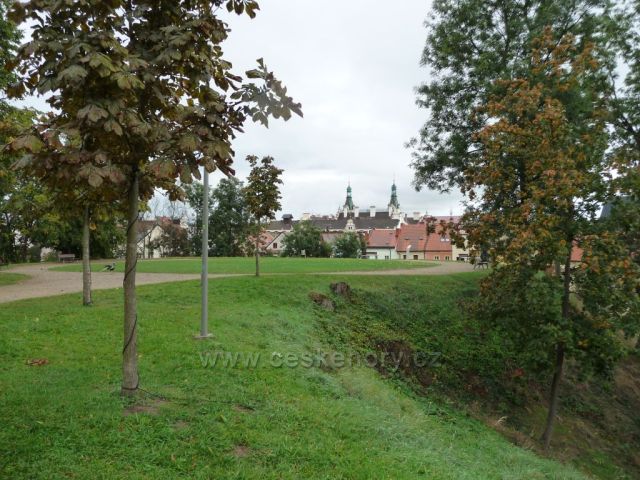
[258, 251]
[86, 259]
[557, 374]
[25, 250]
[553, 396]
[130, 380]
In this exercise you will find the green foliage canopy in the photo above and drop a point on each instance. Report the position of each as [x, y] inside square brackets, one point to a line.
[229, 219]
[470, 45]
[305, 237]
[262, 193]
[142, 89]
[348, 245]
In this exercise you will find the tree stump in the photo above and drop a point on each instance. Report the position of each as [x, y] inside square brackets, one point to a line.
[341, 288]
[322, 301]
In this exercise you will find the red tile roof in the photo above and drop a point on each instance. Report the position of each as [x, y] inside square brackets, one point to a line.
[439, 242]
[576, 253]
[416, 237]
[382, 238]
[266, 239]
[412, 236]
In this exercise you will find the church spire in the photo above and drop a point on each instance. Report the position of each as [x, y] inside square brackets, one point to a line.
[394, 197]
[348, 204]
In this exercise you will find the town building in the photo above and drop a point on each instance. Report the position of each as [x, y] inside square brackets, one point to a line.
[381, 244]
[389, 233]
[349, 218]
[149, 233]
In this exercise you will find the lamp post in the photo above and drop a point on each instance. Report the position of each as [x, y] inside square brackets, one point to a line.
[204, 319]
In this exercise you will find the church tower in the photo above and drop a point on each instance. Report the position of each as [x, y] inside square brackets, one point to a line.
[394, 205]
[348, 207]
[348, 204]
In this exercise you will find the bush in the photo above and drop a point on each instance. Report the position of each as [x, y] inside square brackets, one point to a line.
[33, 254]
[304, 237]
[348, 246]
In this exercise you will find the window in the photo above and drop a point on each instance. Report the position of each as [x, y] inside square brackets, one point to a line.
[446, 258]
[415, 257]
[404, 257]
[275, 245]
[437, 257]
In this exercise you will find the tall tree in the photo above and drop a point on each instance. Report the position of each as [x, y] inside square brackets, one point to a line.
[9, 40]
[262, 195]
[348, 245]
[193, 197]
[142, 96]
[470, 45]
[106, 231]
[305, 239]
[535, 192]
[625, 117]
[9, 119]
[9, 36]
[229, 219]
[173, 241]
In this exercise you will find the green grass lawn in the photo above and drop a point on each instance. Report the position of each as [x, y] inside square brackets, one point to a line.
[11, 278]
[65, 419]
[247, 265]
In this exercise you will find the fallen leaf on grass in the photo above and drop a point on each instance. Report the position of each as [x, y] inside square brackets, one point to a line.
[37, 362]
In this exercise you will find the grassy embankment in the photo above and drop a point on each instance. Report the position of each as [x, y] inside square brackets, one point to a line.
[65, 417]
[476, 369]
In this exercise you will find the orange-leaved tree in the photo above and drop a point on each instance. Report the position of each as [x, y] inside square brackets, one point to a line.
[535, 192]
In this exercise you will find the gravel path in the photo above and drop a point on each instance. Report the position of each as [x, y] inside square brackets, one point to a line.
[43, 282]
[445, 268]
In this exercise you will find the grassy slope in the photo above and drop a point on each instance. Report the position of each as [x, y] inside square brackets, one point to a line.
[598, 422]
[247, 265]
[65, 418]
[11, 278]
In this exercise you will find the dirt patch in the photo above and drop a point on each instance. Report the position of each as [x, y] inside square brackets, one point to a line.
[243, 408]
[180, 425]
[322, 301]
[148, 408]
[399, 356]
[241, 451]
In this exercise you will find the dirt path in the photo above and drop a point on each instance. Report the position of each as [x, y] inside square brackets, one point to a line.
[43, 282]
[445, 268]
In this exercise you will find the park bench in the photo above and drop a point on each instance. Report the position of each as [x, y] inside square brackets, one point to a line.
[66, 257]
[482, 264]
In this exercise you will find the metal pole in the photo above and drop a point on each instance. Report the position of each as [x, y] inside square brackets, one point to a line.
[204, 321]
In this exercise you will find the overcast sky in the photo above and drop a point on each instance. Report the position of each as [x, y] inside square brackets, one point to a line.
[354, 66]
